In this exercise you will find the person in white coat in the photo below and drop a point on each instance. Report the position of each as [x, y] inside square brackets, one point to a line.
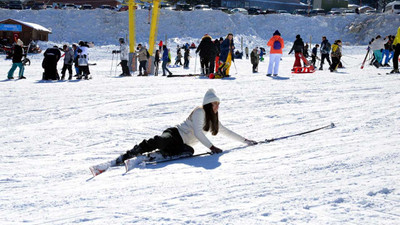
[124, 51]
[180, 139]
[376, 47]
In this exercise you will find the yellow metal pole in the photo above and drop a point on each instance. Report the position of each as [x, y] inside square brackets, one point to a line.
[153, 26]
[132, 37]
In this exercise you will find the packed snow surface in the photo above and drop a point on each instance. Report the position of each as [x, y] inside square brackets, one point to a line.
[51, 132]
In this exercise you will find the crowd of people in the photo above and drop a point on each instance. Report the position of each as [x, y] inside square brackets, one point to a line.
[216, 56]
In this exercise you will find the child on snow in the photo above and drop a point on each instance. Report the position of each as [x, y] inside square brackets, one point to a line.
[314, 53]
[254, 58]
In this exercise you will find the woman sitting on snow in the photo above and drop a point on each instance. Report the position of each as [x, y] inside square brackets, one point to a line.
[179, 139]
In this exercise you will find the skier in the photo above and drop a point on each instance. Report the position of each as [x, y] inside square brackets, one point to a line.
[124, 56]
[68, 61]
[178, 57]
[336, 55]
[388, 51]
[254, 58]
[186, 57]
[156, 62]
[298, 48]
[314, 53]
[75, 48]
[396, 46]
[262, 52]
[17, 55]
[246, 51]
[83, 60]
[325, 49]
[226, 56]
[49, 64]
[376, 47]
[277, 44]
[166, 60]
[179, 140]
[143, 56]
[207, 54]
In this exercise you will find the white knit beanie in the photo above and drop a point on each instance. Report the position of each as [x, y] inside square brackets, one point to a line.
[210, 96]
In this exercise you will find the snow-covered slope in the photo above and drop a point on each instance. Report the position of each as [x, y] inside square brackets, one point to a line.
[105, 26]
[51, 132]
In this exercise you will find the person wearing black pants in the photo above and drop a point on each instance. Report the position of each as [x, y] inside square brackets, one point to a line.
[325, 49]
[396, 59]
[179, 139]
[166, 60]
[208, 51]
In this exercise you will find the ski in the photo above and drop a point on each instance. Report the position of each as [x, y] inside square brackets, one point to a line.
[332, 125]
[154, 158]
[102, 167]
[184, 75]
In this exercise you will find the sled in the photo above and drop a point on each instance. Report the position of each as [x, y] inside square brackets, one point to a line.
[307, 69]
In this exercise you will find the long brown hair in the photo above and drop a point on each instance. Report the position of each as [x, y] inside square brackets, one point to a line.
[211, 120]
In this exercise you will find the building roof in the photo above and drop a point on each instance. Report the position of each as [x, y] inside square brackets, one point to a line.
[33, 25]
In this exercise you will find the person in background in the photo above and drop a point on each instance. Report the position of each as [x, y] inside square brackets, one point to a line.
[325, 49]
[276, 44]
[68, 61]
[143, 56]
[246, 51]
[336, 55]
[186, 57]
[75, 48]
[166, 60]
[17, 54]
[255, 59]
[83, 60]
[396, 47]
[156, 62]
[314, 53]
[226, 55]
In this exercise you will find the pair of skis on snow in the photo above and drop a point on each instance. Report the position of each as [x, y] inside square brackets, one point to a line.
[156, 157]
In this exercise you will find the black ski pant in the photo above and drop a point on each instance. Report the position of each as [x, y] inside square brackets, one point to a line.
[335, 63]
[313, 60]
[323, 57]
[169, 143]
[142, 65]
[186, 63]
[255, 67]
[207, 65]
[65, 68]
[125, 68]
[396, 57]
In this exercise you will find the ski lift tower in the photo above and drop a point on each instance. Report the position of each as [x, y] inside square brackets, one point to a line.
[152, 36]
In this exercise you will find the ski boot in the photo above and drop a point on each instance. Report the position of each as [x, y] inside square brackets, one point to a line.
[136, 151]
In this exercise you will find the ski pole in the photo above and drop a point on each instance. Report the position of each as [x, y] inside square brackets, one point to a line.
[332, 125]
[112, 62]
[169, 160]
[235, 66]
[195, 64]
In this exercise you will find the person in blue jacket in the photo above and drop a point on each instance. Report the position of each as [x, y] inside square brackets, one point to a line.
[226, 55]
[166, 60]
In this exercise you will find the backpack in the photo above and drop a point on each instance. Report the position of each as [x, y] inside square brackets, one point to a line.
[277, 45]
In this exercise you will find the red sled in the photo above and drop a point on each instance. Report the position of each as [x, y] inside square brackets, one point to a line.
[308, 69]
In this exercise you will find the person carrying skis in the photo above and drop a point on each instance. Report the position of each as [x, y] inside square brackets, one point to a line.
[226, 56]
[207, 54]
[314, 53]
[298, 48]
[325, 49]
[178, 140]
[396, 47]
[143, 56]
[17, 54]
[277, 44]
[336, 55]
[166, 60]
[68, 61]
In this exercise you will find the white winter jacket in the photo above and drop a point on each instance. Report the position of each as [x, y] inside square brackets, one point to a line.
[124, 52]
[191, 130]
[378, 44]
